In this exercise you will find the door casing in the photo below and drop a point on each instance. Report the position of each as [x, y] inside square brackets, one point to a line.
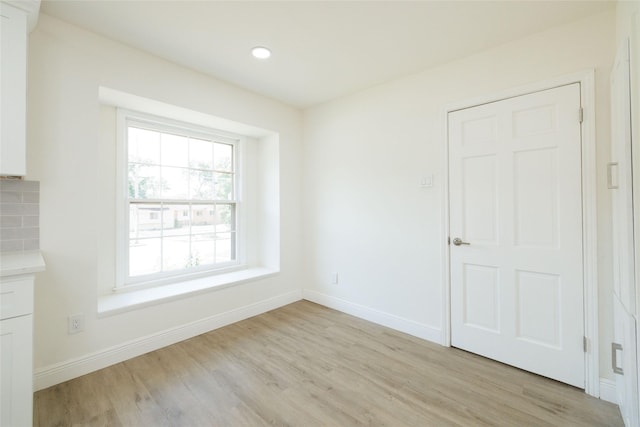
[586, 79]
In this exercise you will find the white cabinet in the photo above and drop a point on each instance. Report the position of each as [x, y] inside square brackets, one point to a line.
[16, 350]
[13, 90]
[16, 336]
[16, 367]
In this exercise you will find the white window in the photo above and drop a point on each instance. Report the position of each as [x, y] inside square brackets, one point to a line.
[179, 200]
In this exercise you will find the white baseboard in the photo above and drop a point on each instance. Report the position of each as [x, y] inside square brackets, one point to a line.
[608, 390]
[60, 372]
[401, 324]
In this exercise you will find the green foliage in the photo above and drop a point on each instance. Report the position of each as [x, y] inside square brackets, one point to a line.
[201, 182]
[225, 215]
[193, 261]
[143, 187]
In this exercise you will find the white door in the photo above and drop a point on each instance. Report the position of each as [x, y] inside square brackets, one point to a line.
[516, 205]
[620, 182]
[620, 177]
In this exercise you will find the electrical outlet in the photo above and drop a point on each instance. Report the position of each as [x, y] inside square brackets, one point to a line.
[334, 278]
[76, 323]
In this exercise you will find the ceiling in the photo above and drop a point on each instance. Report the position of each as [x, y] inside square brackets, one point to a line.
[321, 49]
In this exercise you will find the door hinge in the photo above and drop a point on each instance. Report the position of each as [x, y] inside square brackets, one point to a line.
[581, 114]
[585, 344]
[614, 358]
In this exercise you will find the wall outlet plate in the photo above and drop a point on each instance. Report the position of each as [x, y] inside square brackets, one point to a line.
[75, 323]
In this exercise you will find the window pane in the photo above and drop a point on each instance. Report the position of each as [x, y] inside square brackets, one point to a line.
[223, 185]
[203, 219]
[175, 183]
[143, 146]
[144, 220]
[175, 150]
[182, 216]
[175, 253]
[201, 185]
[144, 181]
[223, 157]
[144, 256]
[177, 220]
[200, 154]
[203, 249]
[225, 247]
[225, 218]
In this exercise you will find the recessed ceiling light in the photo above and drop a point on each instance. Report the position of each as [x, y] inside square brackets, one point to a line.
[261, 52]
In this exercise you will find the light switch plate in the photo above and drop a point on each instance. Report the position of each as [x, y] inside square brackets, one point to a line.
[426, 181]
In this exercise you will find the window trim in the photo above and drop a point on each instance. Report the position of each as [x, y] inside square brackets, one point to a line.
[123, 281]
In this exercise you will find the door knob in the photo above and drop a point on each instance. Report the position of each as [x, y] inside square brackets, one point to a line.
[458, 241]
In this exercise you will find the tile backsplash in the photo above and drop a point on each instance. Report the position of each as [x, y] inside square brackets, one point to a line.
[19, 215]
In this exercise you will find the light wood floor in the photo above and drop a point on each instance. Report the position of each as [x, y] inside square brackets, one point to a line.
[306, 365]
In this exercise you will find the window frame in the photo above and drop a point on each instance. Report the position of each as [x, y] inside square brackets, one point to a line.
[157, 123]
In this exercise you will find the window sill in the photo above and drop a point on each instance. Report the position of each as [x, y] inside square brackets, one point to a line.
[125, 301]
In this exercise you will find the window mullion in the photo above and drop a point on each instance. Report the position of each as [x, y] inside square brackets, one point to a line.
[190, 232]
[162, 237]
[215, 233]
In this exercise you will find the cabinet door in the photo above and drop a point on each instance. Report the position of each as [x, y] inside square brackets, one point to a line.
[16, 371]
[13, 90]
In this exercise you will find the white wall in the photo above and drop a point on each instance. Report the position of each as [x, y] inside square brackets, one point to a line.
[628, 26]
[366, 216]
[66, 153]
[625, 11]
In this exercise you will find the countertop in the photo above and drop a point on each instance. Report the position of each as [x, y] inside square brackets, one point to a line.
[15, 263]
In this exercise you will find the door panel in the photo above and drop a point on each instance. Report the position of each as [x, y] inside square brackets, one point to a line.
[481, 297]
[538, 311]
[515, 197]
[536, 200]
[479, 189]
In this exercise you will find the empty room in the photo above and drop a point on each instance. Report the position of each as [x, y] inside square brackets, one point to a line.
[319, 213]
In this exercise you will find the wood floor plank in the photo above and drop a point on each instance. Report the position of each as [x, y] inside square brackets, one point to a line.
[131, 400]
[53, 407]
[307, 365]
